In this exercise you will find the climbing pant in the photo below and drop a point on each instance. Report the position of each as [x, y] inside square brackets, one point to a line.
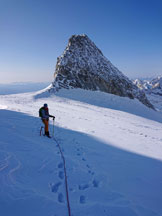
[46, 124]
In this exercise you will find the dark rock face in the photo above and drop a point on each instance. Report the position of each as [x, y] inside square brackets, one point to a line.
[82, 65]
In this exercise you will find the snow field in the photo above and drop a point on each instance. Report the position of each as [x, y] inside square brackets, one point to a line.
[112, 148]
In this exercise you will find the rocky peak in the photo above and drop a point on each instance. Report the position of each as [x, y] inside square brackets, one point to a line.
[82, 65]
[157, 83]
[83, 43]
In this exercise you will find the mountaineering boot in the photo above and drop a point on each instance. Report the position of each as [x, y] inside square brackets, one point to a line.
[47, 134]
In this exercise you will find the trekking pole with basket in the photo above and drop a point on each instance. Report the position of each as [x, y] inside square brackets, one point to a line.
[53, 127]
[41, 130]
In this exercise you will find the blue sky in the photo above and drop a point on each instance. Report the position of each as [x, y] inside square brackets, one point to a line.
[33, 33]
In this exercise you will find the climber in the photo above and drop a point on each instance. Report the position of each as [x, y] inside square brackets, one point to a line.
[44, 114]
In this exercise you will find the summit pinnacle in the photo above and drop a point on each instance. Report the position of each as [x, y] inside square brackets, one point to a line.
[83, 65]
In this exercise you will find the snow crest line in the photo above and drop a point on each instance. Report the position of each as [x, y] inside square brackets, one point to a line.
[65, 173]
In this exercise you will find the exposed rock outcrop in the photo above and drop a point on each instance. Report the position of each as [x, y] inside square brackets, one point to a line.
[82, 65]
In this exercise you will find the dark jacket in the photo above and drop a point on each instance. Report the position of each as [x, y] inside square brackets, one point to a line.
[45, 113]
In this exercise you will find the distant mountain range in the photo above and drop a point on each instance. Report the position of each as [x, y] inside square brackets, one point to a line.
[150, 86]
[152, 89]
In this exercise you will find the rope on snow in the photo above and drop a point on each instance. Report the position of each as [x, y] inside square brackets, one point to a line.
[65, 173]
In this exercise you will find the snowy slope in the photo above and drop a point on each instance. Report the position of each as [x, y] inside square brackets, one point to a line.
[112, 147]
[155, 99]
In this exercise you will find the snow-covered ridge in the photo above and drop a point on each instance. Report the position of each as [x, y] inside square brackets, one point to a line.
[82, 65]
[101, 99]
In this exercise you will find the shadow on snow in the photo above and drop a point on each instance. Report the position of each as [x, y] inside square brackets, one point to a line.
[103, 179]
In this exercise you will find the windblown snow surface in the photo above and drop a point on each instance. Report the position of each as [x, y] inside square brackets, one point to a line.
[112, 147]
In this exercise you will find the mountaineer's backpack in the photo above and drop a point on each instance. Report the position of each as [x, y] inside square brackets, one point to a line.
[40, 111]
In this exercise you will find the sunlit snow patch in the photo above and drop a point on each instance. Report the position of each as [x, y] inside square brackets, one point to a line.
[3, 107]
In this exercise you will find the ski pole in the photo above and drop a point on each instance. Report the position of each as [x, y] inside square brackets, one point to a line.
[53, 127]
[41, 130]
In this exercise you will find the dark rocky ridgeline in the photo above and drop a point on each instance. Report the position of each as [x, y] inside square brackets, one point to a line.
[82, 65]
